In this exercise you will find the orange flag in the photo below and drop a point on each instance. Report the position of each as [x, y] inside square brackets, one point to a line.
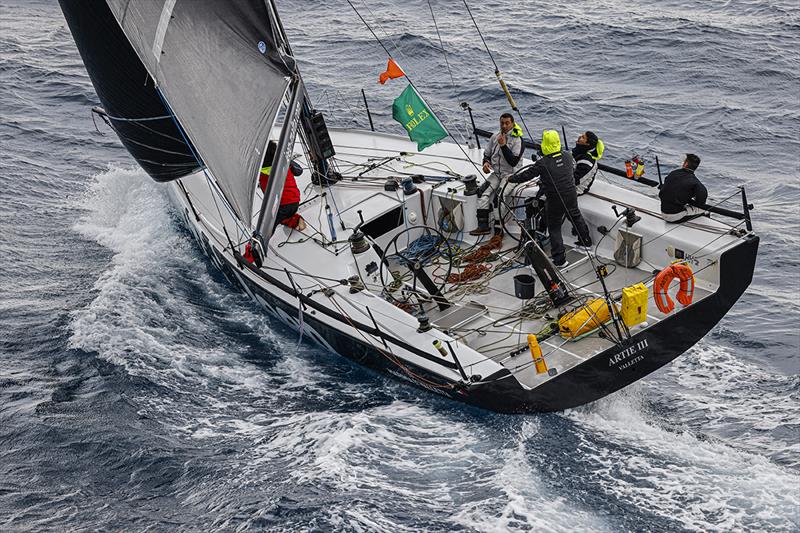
[393, 71]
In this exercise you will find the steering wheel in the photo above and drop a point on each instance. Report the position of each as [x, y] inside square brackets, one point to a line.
[415, 263]
[509, 210]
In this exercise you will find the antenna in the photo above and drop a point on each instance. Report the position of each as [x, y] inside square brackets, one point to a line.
[658, 168]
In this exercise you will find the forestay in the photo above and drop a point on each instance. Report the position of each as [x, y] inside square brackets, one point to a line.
[219, 68]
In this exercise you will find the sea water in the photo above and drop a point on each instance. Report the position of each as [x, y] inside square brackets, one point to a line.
[138, 391]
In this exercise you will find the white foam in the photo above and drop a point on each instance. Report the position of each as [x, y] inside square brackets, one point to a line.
[156, 311]
[410, 456]
[158, 314]
[520, 501]
[703, 484]
[736, 397]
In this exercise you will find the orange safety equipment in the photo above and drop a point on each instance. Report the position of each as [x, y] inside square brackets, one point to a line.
[684, 273]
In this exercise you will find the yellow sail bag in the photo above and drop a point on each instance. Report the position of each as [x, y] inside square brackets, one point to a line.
[590, 316]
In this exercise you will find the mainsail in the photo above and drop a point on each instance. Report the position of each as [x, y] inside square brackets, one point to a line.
[219, 67]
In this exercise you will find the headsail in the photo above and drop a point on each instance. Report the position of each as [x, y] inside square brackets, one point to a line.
[132, 105]
[219, 67]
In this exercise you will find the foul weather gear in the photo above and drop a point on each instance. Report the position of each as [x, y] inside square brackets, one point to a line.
[557, 182]
[586, 157]
[680, 187]
[505, 160]
[291, 193]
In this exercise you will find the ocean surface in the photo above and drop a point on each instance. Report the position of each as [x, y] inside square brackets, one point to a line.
[139, 392]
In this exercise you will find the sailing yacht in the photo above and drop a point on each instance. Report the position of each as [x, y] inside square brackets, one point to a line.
[386, 272]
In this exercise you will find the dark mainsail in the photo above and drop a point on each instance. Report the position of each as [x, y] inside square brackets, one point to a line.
[218, 66]
[127, 92]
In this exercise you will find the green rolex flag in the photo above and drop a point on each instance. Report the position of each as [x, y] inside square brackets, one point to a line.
[422, 127]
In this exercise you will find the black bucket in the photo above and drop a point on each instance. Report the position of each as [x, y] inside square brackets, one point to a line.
[524, 286]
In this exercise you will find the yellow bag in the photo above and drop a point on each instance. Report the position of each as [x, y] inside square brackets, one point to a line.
[634, 304]
[590, 316]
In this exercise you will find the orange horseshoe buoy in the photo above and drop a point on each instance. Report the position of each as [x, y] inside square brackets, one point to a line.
[684, 273]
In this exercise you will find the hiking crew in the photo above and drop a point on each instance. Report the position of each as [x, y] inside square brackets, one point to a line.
[680, 187]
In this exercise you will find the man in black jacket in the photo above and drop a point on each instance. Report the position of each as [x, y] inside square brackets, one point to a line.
[587, 152]
[557, 181]
[680, 187]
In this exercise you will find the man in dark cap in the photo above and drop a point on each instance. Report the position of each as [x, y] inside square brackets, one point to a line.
[680, 187]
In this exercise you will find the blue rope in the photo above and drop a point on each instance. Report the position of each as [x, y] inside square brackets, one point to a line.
[424, 249]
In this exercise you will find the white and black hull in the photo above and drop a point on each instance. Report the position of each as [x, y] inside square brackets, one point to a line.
[298, 282]
[603, 374]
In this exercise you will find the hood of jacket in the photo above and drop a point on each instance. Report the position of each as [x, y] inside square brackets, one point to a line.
[551, 142]
[516, 131]
[597, 152]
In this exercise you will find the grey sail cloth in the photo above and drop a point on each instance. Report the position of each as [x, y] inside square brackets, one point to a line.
[218, 66]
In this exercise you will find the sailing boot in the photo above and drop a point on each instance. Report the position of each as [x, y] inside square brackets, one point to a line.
[483, 223]
[498, 227]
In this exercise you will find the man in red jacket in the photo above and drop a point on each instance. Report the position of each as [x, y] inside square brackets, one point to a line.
[290, 198]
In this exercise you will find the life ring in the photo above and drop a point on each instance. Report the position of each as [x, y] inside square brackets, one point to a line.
[685, 293]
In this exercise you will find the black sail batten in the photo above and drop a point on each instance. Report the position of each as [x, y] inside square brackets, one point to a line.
[126, 91]
[221, 71]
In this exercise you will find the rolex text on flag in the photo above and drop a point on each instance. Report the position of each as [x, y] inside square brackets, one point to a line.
[422, 127]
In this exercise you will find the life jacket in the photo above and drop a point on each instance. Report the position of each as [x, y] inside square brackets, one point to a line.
[290, 194]
[661, 284]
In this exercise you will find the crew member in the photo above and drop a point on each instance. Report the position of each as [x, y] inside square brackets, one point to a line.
[588, 150]
[680, 187]
[290, 197]
[557, 181]
[501, 158]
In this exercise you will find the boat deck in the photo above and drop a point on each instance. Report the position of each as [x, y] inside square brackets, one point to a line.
[488, 317]
[484, 316]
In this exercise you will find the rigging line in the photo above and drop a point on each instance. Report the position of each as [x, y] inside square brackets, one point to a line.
[586, 248]
[145, 119]
[136, 122]
[497, 73]
[390, 354]
[410, 82]
[689, 223]
[481, 36]
[370, 29]
[440, 115]
[385, 33]
[441, 45]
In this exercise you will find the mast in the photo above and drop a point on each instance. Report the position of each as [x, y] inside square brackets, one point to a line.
[280, 165]
[313, 137]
